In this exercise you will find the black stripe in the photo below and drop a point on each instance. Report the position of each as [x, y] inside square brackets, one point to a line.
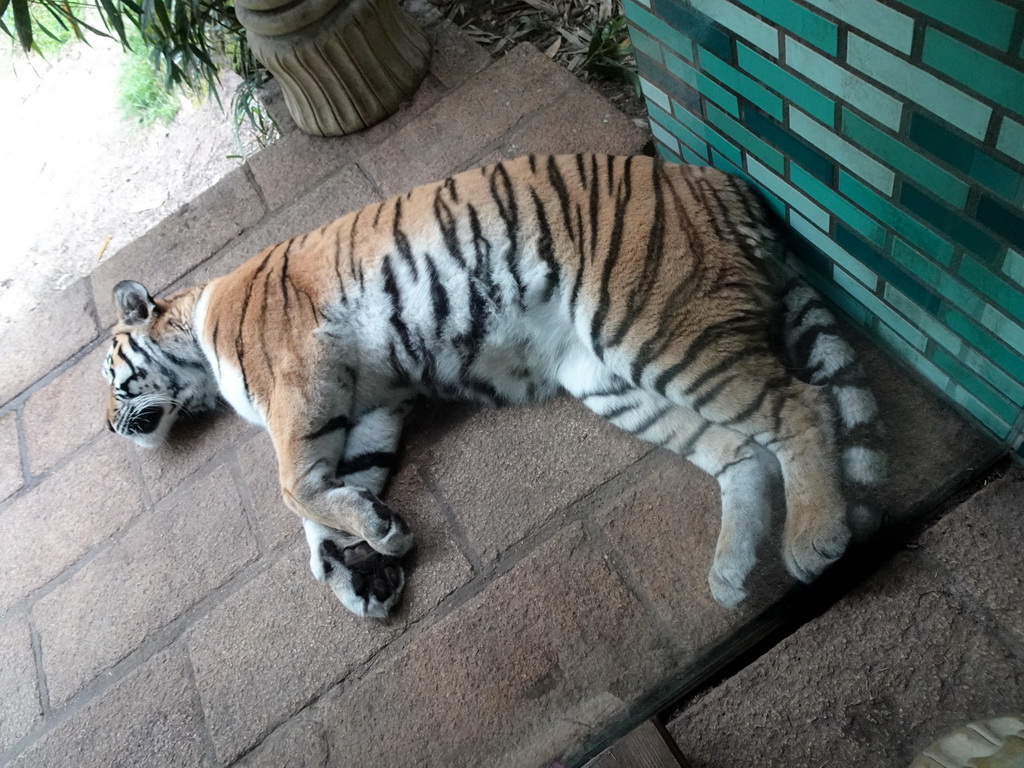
[351, 465]
[438, 297]
[714, 392]
[449, 229]
[331, 425]
[594, 207]
[611, 259]
[402, 242]
[391, 288]
[545, 246]
[504, 195]
[555, 177]
[533, 163]
[723, 365]
[651, 421]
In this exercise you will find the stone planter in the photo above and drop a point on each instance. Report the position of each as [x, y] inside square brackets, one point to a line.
[343, 65]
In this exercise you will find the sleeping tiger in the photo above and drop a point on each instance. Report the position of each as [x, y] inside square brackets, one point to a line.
[642, 288]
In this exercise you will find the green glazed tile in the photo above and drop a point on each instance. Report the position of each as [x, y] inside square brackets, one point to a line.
[874, 19]
[754, 92]
[979, 388]
[716, 94]
[746, 139]
[936, 138]
[843, 151]
[1011, 389]
[995, 175]
[805, 24]
[672, 38]
[747, 26]
[789, 86]
[996, 290]
[655, 94]
[1002, 84]
[882, 311]
[1002, 326]
[837, 204]
[825, 73]
[949, 103]
[1013, 267]
[886, 212]
[899, 155]
[645, 44]
[791, 195]
[1011, 139]
[985, 20]
[977, 409]
[824, 243]
[664, 136]
[985, 342]
[923, 320]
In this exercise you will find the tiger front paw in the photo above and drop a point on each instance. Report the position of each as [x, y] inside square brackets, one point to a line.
[366, 582]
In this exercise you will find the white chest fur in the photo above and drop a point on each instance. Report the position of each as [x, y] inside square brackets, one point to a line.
[229, 379]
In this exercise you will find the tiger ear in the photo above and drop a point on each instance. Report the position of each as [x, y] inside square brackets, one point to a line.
[134, 304]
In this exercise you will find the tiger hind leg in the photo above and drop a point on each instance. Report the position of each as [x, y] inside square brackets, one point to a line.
[745, 472]
[758, 397]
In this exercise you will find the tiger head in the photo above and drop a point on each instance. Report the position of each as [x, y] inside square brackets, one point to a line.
[155, 366]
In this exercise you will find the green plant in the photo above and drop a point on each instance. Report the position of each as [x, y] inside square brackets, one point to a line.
[610, 53]
[54, 35]
[184, 39]
[143, 97]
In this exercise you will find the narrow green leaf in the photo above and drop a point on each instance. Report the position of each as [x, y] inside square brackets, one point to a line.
[22, 23]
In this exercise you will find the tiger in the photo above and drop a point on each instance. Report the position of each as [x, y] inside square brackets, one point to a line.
[649, 291]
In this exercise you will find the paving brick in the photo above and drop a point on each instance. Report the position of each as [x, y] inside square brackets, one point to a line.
[402, 164]
[894, 665]
[507, 471]
[274, 523]
[188, 236]
[271, 647]
[165, 563]
[147, 719]
[978, 543]
[11, 475]
[244, 650]
[299, 743]
[664, 523]
[189, 445]
[582, 122]
[455, 57]
[297, 162]
[543, 658]
[67, 412]
[345, 191]
[18, 688]
[45, 336]
[52, 526]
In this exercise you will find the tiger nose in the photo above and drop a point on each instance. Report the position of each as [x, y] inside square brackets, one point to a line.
[146, 421]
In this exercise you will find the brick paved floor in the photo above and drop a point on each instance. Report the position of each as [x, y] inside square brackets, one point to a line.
[157, 607]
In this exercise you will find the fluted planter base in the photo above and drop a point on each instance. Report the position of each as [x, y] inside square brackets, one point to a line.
[348, 69]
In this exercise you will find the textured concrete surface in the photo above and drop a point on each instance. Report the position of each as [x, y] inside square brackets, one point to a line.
[157, 607]
[928, 644]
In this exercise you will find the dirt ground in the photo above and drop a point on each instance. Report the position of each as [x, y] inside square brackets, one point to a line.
[78, 180]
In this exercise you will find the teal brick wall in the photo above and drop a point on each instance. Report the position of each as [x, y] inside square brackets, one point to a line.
[890, 135]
